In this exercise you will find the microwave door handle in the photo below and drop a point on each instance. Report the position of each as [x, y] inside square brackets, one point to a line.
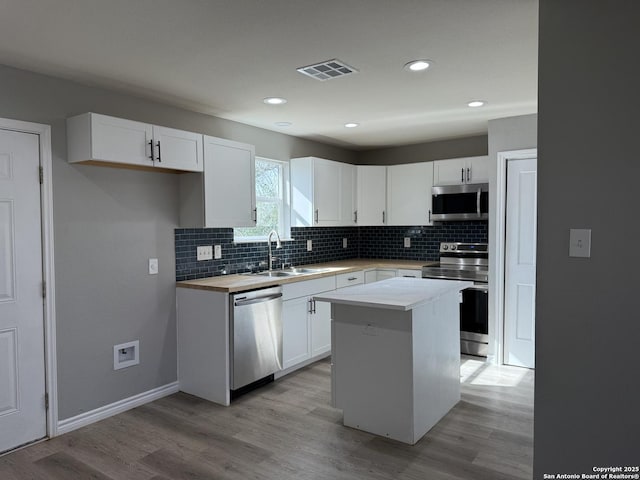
[478, 202]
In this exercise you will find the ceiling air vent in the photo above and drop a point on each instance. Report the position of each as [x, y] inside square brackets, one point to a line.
[327, 70]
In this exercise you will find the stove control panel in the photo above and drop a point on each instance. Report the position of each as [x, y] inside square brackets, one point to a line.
[464, 247]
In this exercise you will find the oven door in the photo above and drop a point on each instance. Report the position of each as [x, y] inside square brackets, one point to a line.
[474, 320]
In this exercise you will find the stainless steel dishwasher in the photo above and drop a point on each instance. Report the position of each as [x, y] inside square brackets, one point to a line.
[255, 335]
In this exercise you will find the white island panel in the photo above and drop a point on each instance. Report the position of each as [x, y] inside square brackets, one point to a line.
[396, 361]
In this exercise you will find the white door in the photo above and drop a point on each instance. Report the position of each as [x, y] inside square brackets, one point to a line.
[347, 194]
[409, 194]
[177, 149]
[121, 141]
[295, 331]
[320, 321]
[230, 183]
[22, 383]
[520, 263]
[371, 194]
[449, 172]
[327, 183]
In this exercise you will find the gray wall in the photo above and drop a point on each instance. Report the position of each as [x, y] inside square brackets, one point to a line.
[588, 321]
[107, 223]
[505, 134]
[424, 152]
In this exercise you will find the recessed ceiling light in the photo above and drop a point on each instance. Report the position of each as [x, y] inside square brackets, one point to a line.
[283, 124]
[418, 65]
[351, 125]
[476, 103]
[275, 100]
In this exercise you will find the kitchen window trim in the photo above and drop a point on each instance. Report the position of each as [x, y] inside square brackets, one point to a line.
[285, 207]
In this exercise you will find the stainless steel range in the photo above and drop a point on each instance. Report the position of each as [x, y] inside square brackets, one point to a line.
[467, 261]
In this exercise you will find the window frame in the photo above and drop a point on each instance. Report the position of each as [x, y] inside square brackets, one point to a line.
[284, 205]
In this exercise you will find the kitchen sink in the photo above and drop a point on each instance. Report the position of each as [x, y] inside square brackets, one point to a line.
[289, 272]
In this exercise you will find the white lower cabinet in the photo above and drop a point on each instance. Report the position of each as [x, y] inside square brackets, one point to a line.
[295, 332]
[306, 324]
[406, 272]
[371, 276]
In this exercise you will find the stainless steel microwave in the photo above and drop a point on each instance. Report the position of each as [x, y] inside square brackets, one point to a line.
[460, 202]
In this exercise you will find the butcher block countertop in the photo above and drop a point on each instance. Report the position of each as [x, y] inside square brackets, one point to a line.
[241, 282]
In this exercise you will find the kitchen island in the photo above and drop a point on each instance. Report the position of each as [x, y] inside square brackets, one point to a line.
[395, 354]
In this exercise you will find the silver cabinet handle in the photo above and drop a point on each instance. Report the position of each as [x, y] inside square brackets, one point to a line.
[355, 216]
[468, 174]
[383, 217]
[314, 305]
[255, 215]
[316, 215]
[151, 149]
[351, 279]
[159, 157]
[478, 201]
[462, 175]
[429, 216]
[310, 308]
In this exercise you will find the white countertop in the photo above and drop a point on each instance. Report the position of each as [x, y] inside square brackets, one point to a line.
[399, 293]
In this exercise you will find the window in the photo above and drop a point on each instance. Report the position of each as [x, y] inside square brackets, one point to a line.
[272, 178]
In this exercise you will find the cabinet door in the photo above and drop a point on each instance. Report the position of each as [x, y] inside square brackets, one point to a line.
[409, 194]
[384, 274]
[295, 331]
[405, 272]
[229, 183]
[177, 149]
[320, 323]
[371, 194]
[118, 140]
[327, 183]
[348, 194]
[449, 172]
[478, 169]
[370, 276]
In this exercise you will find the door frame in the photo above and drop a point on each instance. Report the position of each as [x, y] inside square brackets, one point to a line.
[48, 275]
[497, 259]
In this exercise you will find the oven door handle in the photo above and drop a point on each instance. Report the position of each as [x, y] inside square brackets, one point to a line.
[478, 202]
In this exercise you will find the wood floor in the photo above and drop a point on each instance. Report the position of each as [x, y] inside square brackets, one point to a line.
[287, 430]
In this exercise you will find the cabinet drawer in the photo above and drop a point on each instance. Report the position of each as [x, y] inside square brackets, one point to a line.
[405, 272]
[348, 279]
[308, 287]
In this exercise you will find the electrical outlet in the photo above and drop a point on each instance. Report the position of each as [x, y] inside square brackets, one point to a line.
[309, 245]
[153, 266]
[217, 251]
[344, 243]
[205, 252]
[407, 242]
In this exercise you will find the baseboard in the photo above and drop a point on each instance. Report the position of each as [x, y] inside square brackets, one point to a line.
[69, 424]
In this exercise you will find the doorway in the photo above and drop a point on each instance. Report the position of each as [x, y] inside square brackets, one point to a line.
[26, 314]
[516, 218]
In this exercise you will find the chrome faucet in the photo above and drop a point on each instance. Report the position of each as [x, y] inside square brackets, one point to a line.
[278, 245]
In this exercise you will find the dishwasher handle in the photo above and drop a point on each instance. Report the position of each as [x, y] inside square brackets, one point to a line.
[240, 302]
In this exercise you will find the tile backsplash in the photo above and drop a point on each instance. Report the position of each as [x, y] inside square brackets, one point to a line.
[362, 242]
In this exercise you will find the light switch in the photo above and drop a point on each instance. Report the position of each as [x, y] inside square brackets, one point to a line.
[153, 266]
[407, 242]
[217, 251]
[309, 245]
[580, 242]
[204, 252]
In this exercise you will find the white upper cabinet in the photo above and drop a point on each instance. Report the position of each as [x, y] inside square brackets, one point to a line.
[321, 192]
[348, 194]
[101, 139]
[225, 196]
[177, 149]
[371, 195]
[409, 194]
[459, 171]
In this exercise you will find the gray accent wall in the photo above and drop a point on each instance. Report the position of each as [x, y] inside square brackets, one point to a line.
[107, 224]
[588, 320]
[424, 152]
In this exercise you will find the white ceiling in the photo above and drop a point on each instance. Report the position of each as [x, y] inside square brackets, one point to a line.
[224, 57]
